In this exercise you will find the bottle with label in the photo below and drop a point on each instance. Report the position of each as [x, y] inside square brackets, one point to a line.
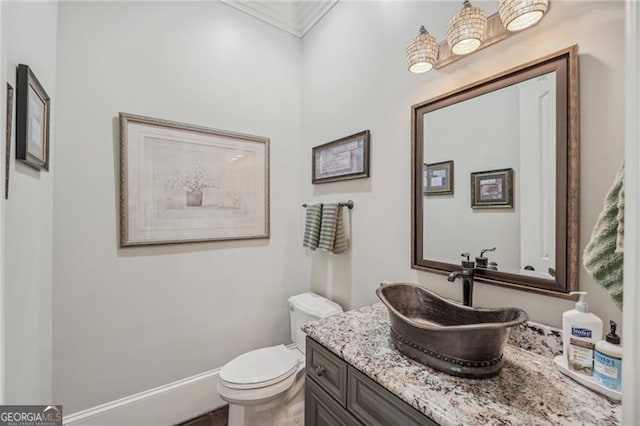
[581, 329]
[607, 361]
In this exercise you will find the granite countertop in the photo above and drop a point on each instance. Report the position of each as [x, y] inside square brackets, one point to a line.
[528, 391]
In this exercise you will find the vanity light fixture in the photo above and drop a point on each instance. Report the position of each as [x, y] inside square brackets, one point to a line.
[517, 15]
[422, 52]
[467, 29]
[471, 30]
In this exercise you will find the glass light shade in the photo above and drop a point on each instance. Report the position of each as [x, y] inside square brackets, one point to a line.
[422, 52]
[517, 15]
[467, 29]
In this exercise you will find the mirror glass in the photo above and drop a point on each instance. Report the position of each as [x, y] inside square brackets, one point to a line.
[512, 128]
[496, 172]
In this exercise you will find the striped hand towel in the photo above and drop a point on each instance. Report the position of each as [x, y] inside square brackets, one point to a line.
[332, 235]
[603, 257]
[312, 226]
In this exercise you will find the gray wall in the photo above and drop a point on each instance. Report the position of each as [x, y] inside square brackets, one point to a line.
[127, 320]
[28, 37]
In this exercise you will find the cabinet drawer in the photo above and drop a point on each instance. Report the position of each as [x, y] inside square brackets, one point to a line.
[321, 410]
[374, 405]
[329, 371]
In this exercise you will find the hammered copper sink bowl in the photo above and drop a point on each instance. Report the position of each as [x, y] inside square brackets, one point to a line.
[445, 335]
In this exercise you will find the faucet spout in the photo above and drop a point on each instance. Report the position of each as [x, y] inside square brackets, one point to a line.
[455, 274]
[467, 283]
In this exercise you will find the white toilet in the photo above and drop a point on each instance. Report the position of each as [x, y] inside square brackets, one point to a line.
[266, 386]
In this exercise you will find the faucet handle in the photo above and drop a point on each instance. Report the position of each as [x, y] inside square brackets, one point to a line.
[483, 251]
[469, 264]
[482, 261]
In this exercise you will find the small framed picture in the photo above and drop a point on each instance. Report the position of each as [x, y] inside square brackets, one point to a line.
[32, 120]
[7, 141]
[492, 189]
[342, 159]
[438, 179]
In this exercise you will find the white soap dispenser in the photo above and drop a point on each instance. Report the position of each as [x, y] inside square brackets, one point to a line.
[581, 330]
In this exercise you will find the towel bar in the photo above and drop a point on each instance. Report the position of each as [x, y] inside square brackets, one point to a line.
[348, 204]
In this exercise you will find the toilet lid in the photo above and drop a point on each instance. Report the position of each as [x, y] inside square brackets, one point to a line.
[260, 368]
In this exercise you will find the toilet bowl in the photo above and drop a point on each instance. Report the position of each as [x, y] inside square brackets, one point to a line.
[266, 386]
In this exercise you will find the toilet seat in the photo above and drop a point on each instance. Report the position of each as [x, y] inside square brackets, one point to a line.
[256, 396]
[260, 368]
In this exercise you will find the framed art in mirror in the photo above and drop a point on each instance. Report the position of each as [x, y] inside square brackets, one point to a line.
[182, 183]
[438, 179]
[32, 120]
[492, 189]
[519, 143]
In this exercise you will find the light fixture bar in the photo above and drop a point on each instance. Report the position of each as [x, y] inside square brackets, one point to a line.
[495, 32]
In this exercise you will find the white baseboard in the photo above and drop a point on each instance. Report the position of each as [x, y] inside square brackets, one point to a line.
[165, 405]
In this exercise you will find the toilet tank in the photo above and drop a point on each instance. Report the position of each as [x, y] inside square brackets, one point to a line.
[307, 307]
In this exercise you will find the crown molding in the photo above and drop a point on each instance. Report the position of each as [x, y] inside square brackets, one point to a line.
[294, 17]
[311, 12]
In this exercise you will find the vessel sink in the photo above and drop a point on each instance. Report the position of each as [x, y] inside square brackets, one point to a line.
[445, 335]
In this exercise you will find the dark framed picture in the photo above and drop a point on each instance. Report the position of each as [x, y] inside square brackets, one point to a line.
[32, 120]
[492, 189]
[438, 179]
[7, 141]
[342, 159]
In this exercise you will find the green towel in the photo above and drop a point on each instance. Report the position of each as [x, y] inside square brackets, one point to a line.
[332, 235]
[312, 226]
[603, 257]
[340, 243]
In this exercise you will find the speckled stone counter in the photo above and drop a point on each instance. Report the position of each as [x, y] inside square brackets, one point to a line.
[528, 390]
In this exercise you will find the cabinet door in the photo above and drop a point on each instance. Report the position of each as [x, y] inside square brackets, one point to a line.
[374, 405]
[329, 371]
[322, 410]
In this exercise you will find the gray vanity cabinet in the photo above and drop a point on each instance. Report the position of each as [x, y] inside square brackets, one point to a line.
[337, 394]
[322, 410]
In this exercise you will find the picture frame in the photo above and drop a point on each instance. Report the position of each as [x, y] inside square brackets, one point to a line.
[343, 159]
[32, 120]
[8, 130]
[492, 189]
[438, 179]
[184, 183]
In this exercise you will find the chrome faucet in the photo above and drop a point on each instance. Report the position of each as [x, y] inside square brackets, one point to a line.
[467, 272]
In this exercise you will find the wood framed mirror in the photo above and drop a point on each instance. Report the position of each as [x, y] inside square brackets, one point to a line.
[513, 143]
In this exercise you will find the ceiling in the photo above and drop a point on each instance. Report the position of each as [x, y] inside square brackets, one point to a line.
[293, 16]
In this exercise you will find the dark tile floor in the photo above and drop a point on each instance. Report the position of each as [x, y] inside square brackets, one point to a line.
[219, 417]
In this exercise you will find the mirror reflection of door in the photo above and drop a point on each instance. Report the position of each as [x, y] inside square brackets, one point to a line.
[538, 175]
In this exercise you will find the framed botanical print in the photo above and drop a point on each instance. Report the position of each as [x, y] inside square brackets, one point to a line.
[32, 120]
[183, 183]
[492, 189]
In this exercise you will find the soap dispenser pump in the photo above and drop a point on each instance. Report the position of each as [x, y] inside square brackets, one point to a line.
[581, 329]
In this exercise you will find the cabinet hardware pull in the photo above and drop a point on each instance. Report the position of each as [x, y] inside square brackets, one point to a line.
[319, 369]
